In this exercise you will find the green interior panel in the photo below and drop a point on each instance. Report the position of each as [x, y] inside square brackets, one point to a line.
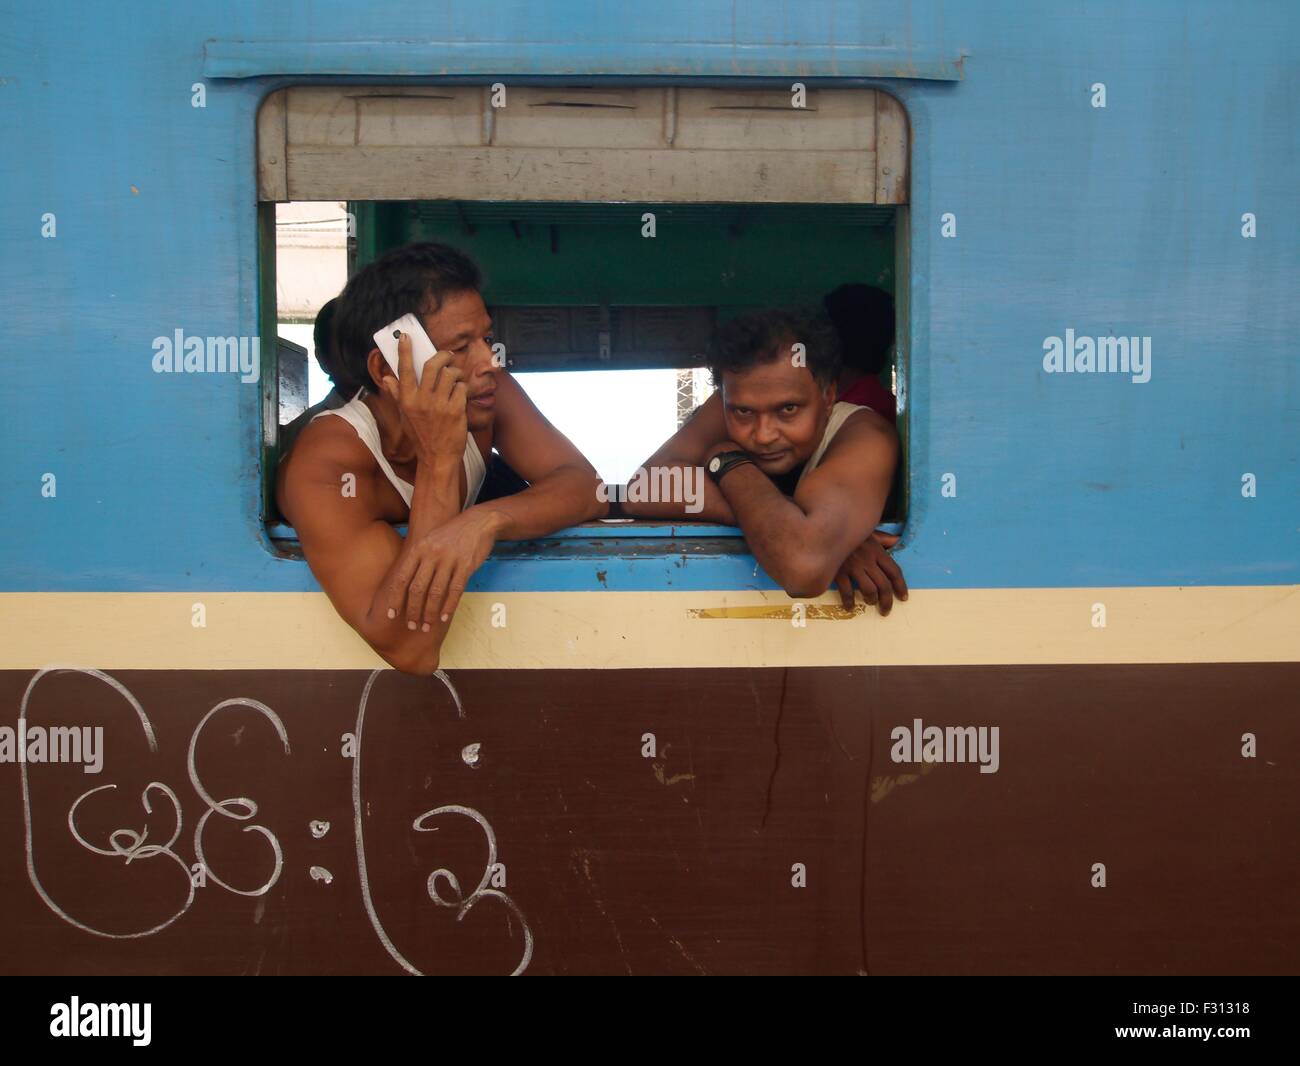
[726, 256]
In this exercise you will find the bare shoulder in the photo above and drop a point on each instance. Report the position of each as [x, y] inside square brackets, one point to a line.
[324, 450]
[864, 429]
[866, 446]
[860, 461]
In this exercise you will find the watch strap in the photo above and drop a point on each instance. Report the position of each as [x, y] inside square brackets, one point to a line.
[724, 461]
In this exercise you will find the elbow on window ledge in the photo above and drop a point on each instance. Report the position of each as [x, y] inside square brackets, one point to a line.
[804, 583]
[417, 661]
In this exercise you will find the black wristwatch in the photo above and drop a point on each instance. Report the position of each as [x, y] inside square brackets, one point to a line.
[724, 461]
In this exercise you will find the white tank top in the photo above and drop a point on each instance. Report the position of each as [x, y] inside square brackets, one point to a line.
[839, 415]
[356, 414]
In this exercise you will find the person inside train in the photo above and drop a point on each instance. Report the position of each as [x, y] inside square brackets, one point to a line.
[397, 451]
[321, 336]
[805, 476]
[863, 316]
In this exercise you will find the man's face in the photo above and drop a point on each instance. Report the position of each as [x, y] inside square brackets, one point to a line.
[463, 327]
[777, 412]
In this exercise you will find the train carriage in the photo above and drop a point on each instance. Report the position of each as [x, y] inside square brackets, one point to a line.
[1071, 750]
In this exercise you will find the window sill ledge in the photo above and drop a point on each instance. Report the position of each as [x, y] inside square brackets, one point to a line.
[609, 555]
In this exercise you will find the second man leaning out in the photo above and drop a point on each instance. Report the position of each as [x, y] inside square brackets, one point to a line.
[804, 477]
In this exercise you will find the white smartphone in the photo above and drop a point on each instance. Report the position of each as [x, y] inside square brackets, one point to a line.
[422, 349]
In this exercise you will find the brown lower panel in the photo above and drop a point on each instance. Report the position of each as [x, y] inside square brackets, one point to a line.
[680, 863]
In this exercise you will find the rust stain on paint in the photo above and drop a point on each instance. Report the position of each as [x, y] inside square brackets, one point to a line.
[661, 776]
[883, 786]
[821, 612]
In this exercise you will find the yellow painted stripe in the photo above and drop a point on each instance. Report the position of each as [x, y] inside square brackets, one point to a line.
[604, 630]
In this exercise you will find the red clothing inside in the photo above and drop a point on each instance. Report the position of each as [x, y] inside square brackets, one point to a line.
[869, 392]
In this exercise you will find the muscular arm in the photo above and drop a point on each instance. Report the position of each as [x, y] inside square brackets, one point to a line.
[562, 484]
[351, 546]
[562, 493]
[802, 542]
[686, 450]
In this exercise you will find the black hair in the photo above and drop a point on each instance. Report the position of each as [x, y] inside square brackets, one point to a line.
[413, 279]
[864, 318]
[322, 338]
[759, 336]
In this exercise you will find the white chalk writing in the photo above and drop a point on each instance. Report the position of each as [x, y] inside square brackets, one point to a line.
[130, 845]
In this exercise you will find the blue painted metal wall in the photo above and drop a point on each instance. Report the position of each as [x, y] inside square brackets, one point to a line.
[1125, 219]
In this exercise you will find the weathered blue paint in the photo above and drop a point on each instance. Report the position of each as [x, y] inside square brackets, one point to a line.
[1122, 219]
[420, 58]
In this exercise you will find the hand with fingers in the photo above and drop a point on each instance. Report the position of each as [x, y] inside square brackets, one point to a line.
[427, 583]
[872, 570]
[430, 575]
[434, 409]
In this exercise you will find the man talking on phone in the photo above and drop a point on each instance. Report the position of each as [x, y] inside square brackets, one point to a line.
[405, 451]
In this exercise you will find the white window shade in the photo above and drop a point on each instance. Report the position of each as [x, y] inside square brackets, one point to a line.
[667, 145]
